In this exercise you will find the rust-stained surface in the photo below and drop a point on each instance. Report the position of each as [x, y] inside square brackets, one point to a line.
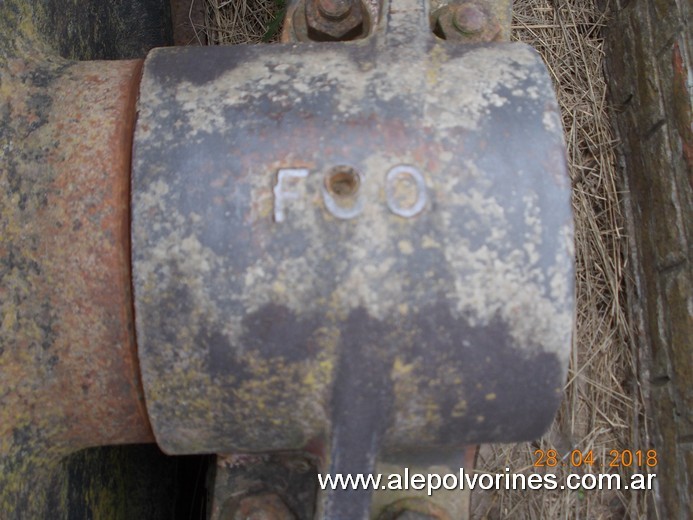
[304, 22]
[399, 305]
[68, 371]
[281, 486]
[376, 313]
[335, 20]
[467, 22]
[497, 25]
[445, 505]
[240, 313]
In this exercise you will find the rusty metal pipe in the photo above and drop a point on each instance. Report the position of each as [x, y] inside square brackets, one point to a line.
[68, 365]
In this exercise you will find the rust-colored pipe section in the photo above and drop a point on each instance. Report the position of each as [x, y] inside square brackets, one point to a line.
[68, 366]
[85, 234]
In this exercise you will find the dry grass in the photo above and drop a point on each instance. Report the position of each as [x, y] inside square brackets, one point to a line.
[238, 21]
[603, 409]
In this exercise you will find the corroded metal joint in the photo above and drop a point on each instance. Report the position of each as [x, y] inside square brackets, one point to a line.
[334, 20]
[468, 21]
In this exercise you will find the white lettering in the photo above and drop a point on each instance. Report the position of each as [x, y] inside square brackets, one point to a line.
[282, 193]
[397, 174]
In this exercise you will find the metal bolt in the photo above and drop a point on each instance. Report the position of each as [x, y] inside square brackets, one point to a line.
[332, 20]
[469, 18]
[257, 507]
[335, 9]
[468, 21]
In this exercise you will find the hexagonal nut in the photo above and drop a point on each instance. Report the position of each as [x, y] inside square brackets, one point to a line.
[321, 28]
[469, 22]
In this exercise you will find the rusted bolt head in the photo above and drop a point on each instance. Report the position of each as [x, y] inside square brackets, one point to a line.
[335, 9]
[466, 22]
[469, 18]
[334, 20]
[257, 507]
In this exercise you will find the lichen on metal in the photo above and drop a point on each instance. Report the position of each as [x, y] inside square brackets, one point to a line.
[67, 358]
[269, 318]
[409, 285]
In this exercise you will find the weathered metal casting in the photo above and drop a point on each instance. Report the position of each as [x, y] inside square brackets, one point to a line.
[465, 21]
[292, 291]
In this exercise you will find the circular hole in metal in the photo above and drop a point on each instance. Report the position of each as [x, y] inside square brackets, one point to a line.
[342, 181]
